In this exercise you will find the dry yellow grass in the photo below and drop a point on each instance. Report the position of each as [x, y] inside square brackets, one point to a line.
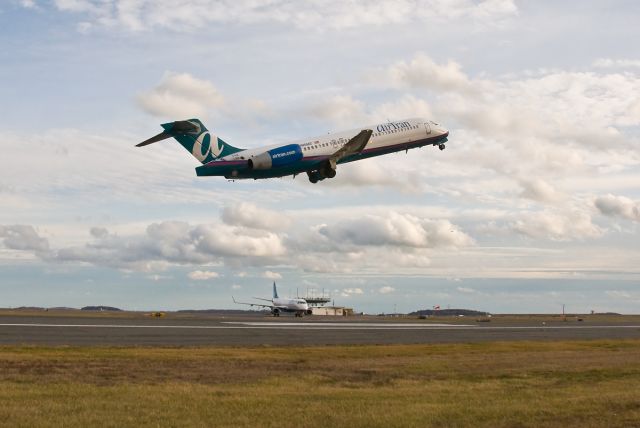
[586, 384]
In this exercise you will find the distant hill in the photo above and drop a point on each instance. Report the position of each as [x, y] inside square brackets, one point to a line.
[222, 311]
[100, 308]
[450, 313]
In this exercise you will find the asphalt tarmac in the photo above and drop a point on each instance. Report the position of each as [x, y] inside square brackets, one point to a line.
[136, 329]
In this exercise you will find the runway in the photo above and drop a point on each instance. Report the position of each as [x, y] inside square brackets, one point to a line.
[138, 330]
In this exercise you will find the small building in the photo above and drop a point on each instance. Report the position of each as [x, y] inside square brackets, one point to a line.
[339, 311]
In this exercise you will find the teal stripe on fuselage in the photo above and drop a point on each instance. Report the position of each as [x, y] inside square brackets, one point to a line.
[245, 172]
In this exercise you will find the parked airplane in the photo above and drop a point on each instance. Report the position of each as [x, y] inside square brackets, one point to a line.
[278, 305]
[317, 156]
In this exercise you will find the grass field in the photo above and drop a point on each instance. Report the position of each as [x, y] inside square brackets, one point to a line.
[516, 384]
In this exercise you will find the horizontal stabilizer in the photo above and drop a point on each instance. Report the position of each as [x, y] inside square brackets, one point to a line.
[183, 127]
[161, 136]
[171, 130]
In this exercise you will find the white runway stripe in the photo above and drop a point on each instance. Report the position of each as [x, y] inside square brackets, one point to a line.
[341, 324]
[115, 326]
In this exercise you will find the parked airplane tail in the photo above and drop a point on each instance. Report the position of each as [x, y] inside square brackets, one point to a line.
[196, 138]
[275, 291]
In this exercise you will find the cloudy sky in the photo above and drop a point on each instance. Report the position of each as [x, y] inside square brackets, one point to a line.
[535, 202]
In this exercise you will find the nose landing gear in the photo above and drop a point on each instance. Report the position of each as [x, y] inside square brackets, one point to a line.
[441, 146]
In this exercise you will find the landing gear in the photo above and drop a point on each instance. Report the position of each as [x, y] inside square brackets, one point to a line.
[325, 171]
[314, 176]
[441, 146]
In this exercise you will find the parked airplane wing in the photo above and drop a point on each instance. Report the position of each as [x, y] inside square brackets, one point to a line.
[353, 146]
[252, 303]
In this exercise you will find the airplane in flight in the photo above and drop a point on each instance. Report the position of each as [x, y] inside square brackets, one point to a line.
[317, 156]
[298, 306]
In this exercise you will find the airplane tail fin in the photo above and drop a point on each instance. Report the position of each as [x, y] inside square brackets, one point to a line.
[275, 290]
[196, 138]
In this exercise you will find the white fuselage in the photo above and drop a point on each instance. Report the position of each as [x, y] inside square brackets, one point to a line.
[292, 305]
[385, 136]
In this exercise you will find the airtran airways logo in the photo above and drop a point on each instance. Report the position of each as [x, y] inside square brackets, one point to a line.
[202, 147]
[285, 155]
[391, 126]
[281, 155]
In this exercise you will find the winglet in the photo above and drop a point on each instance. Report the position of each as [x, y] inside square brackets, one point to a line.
[275, 291]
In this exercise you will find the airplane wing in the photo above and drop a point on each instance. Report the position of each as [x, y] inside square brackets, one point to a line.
[353, 146]
[252, 303]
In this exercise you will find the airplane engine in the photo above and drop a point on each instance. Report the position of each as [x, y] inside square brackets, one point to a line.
[275, 158]
[276, 312]
[309, 312]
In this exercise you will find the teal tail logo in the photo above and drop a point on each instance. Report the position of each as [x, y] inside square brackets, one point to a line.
[203, 148]
[196, 138]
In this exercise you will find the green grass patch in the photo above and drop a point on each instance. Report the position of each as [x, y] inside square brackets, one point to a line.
[519, 384]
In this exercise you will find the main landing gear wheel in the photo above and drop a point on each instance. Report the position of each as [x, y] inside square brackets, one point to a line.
[314, 176]
[326, 170]
[441, 146]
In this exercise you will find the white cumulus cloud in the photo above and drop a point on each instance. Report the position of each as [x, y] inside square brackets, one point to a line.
[397, 229]
[180, 95]
[618, 206]
[249, 215]
[423, 72]
[386, 289]
[540, 190]
[617, 63]
[317, 15]
[557, 226]
[202, 275]
[348, 292]
[23, 237]
[271, 275]
[341, 110]
[172, 242]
